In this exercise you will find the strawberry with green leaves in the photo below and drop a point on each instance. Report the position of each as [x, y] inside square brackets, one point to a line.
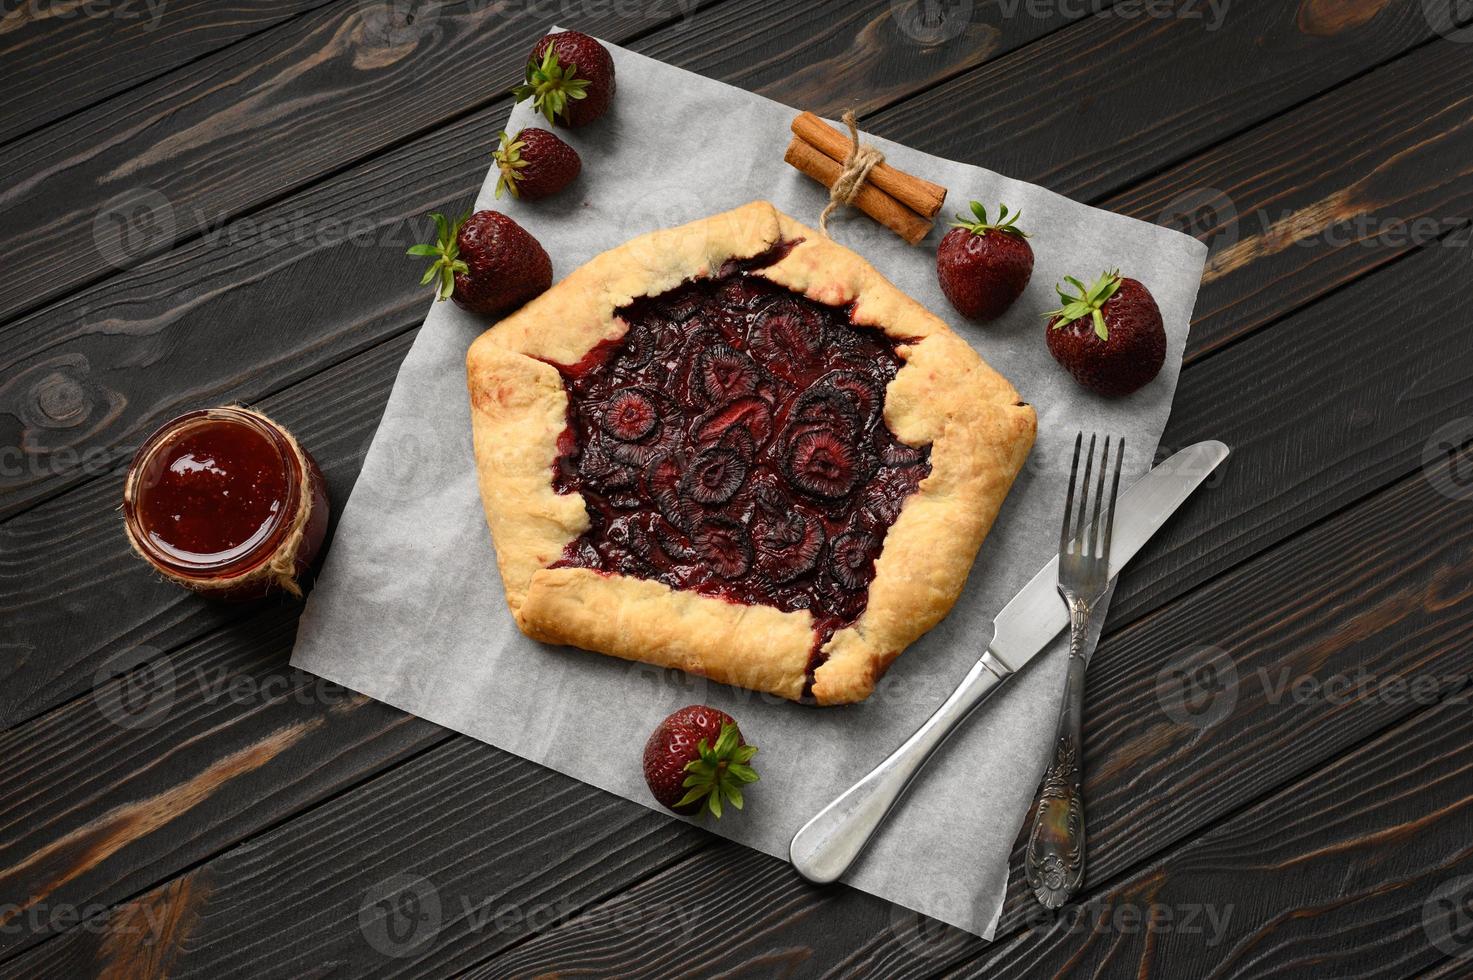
[1108, 335]
[534, 164]
[570, 79]
[984, 266]
[696, 759]
[486, 262]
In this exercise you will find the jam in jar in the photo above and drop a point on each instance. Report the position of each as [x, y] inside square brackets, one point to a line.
[225, 502]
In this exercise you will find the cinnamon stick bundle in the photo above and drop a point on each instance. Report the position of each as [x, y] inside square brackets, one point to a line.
[905, 204]
[921, 196]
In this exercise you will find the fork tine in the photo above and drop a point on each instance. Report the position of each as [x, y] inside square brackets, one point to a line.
[1114, 492]
[1069, 501]
[1089, 462]
[1095, 531]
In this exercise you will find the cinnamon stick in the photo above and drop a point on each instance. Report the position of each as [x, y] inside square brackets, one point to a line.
[921, 196]
[871, 200]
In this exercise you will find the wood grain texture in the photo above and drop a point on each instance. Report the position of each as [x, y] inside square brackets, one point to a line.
[110, 186]
[1287, 221]
[1361, 869]
[254, 265]
[1321, 409]
[1393, 616]
[494, 847]
[1145, 648]
[102, 607]
[113, 185]
[1093, 107]
[50, 53]
[173, 762]
[79, 397]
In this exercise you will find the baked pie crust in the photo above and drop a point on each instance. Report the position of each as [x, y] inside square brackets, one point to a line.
[978, 428]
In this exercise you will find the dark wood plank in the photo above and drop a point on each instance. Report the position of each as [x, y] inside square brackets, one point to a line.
[221, 737]
[306, 407]
[173, 762]
[1301, 451]
[1258, 501]
[57, 58]
[323, 411]
[1286, 222]
[503, 846]
[1061, 114]
[1295, 610]
[70, 414]
[101, 599]
[1360, 869]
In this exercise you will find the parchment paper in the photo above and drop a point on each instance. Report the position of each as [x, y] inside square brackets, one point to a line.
[409, 608]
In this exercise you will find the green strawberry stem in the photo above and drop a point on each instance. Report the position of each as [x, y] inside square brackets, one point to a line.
[446, 253]
[1089, 302]
[981, 226]
[719, 772]
[549, 85]
[509, 161]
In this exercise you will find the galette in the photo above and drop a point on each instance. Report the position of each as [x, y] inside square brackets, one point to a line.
[734, 448]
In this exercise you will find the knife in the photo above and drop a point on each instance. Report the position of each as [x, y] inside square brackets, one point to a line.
[826, 845]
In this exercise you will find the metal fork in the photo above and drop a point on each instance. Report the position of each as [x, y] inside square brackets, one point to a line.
[1054, 862]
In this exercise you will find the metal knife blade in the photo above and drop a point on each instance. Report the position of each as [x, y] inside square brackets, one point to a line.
[1036, 615]
[826, 845]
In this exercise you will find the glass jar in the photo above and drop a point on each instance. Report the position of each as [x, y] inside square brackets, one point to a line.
[224, 501]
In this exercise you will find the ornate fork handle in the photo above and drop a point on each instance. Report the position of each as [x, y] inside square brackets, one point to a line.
[1054, 862]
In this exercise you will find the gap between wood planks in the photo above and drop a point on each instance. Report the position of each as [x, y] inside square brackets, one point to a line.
[163, 70]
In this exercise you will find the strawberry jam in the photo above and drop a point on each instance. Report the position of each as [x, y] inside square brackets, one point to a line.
[213, 497]
[733, 442]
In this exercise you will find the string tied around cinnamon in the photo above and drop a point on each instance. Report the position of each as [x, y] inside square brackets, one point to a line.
[858, 162]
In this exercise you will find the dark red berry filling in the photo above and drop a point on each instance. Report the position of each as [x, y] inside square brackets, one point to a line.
[732, 442]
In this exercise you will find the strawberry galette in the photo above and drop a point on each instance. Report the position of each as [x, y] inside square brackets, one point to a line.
[734, 448]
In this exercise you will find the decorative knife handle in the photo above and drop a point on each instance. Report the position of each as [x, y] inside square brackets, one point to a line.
[1054, 862]
[826, 845]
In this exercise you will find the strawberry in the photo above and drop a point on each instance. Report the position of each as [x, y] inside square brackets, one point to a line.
[485, 261]
[570, 79]
[696, 758]
[1110, 336]
[984, 266]
[535, 164]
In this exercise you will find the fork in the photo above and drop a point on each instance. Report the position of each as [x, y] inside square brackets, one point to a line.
[1054, 861]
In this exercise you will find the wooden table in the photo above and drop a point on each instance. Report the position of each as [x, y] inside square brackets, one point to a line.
[210, 201]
